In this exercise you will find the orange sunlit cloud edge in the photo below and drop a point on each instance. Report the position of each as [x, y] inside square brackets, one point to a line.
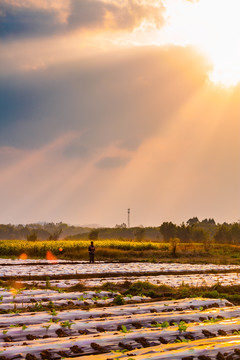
[114, 25]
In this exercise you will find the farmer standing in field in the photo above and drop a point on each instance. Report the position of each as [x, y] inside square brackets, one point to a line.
[91, 250]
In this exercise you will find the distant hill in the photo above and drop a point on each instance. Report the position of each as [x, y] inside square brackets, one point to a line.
[138, 233]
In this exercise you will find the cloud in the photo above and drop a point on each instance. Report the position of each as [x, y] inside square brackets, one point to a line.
[114, 15]
[141, 128]
[10, 155]
[76, 150]
[111, 162]
[82, 110]
[59, 7]
[30, 18]
[119, 100]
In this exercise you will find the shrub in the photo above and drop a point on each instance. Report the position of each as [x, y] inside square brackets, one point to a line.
[119, 300]
[174, 243]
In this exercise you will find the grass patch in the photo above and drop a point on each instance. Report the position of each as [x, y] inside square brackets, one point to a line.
[165, 292]
[140, 288]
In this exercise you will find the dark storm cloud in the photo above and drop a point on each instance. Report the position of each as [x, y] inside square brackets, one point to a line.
[29, 20]
[120, 100]
[17, 21]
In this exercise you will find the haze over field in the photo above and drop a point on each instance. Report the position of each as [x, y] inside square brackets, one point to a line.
[115, 104]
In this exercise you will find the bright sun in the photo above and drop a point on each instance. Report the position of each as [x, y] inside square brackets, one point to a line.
[214, 27]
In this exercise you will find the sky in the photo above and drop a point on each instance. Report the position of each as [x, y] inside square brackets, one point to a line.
[107, 105]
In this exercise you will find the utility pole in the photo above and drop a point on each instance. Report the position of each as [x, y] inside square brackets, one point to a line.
[128, 218]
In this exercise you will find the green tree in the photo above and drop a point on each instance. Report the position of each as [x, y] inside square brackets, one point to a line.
[139, 233]
[184, 232]
[208, 221]
[93, 235]
[207, 243]
[193, 221]
[223, 234]
[235, 233]
[168, 230]
[174, 243]
[198, 235]
[32, 236]
[55, 235]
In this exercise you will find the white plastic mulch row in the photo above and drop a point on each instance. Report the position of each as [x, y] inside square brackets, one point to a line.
[106, 268]
[89, 344]
[165, 308]
[33, 296]
[204, 349]
[224, 279]
[18, 330]
[57, 303]
[36, 299]
[31, 261]
[88, 332]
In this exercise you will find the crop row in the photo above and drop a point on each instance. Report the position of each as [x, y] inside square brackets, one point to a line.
[54, 335]
[40, 248]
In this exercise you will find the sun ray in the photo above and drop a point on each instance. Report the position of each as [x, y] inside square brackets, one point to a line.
[213, 27]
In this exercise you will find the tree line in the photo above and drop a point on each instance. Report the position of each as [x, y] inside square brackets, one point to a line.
[202, 231]
[41, 231]
[194, 230]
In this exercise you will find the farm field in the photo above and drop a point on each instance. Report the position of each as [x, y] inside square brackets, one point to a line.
[117, 331]
[119, 186]
[117, 317]
[63, 274]
[17, 247]
[53, 268]
[122, 251]
[169, 280]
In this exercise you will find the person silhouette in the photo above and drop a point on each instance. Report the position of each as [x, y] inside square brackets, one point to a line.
[91, 250]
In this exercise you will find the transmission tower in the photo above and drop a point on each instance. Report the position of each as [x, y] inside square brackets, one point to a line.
[128, 218]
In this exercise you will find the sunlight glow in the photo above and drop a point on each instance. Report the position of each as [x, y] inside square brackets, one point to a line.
[52, 258]
[212, 26]
[23, 256]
